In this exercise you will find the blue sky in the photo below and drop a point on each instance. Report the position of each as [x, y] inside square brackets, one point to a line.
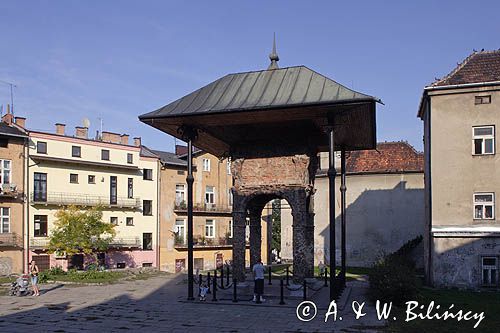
[116, 60]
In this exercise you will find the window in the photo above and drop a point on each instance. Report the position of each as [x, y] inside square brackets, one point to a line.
[4, 142]
[5, 171]
[130, 158]
[230, 197]
[113, 194]
[484, 206]
[40, 187]
[180, 231]
[76, 151]
[180, 192]
[486, 99]
[209, 195]
[147, 207]
[228, 166]
[130, 221]
[73, 178]
[130, 188]
[91, 179]
[230, 231]
[40, 229]
[147, 241]
[113, 220]
[483, 142]
[210, 228]
[105, 155]
[41, 147]
[4, 220]
[147, 174]
[206, 164]
[490, 271]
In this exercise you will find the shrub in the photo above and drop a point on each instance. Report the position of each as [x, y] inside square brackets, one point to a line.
[393, 278]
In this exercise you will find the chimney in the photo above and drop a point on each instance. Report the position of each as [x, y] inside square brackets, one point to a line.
[8, 118]
[60, 128]
[81, 132]
[137, 141]
[124, 139]
[111, 137]
[181, 150]
[20, 121]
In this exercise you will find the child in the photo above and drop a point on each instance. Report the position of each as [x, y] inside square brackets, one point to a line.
[203, 292]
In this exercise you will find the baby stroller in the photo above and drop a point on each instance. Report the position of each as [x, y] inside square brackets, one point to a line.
[20, 287]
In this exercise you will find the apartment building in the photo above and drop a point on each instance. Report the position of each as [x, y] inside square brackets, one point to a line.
[13, 139]
[106, 171]
[384, 205]
[460, 113]
[212, 221]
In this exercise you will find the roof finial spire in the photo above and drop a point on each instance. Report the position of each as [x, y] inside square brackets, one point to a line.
[274, 56]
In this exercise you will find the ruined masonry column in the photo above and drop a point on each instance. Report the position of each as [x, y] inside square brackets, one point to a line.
[303, 240]
[255, 236]
[239, 245]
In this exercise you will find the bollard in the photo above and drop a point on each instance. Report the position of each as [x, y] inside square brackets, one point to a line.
[287, 275]
[214, 293]
[304, 285]
[227, 275]
[235, 297]
[209, 283]
[282, 297]
[222, 277]
[270, 274]
[200, 277]
[326, 277]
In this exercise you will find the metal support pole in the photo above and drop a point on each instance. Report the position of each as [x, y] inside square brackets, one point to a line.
[326, 277]
[235, 297]
[200, 277]
[190, 180]
[270, 273]
[209, 283]
[331, 189]
[227, 275]
[287, 275]
[282, 296]
[214, 293]
[222, 276]
[343, 190]
[304, 286]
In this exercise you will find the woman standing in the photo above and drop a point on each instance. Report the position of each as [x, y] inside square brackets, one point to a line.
[34, 277]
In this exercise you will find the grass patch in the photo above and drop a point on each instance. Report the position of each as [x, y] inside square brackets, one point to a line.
[7, 279]
[91, 276]
[477, 302]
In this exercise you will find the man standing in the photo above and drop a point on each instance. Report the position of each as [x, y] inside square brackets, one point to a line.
[258, 274]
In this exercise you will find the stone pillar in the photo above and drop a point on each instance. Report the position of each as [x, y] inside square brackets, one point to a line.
[303, 238]
[239, 244]
[255, 235]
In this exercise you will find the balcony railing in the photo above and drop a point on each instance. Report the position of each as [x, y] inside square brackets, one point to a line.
[125, 242]
[39, 242]
[81, 199]
[10, 240]
[203, 207]
[203, 242]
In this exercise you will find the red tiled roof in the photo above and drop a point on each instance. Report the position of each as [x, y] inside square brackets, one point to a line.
[483, 66]
[389, 157]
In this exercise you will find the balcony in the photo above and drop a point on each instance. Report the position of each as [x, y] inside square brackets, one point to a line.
[80, 199]
[200, 242]
[10, 240]
[181, 206]
[131, 242]
[10, 191]
[39, 243]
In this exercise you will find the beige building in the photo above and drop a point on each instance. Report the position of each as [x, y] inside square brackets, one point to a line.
[460, 114]
[212, 221]
[106, 171]
[13, 152]
[384, 205]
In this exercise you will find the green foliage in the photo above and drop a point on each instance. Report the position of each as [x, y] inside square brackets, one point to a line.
[393, 278]
[92, 275]
[79, 231]
[276, 232]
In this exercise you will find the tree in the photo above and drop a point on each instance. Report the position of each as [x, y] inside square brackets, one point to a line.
[78, 231]
[276, 218]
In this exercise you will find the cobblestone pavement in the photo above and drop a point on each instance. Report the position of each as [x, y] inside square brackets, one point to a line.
[158, 305]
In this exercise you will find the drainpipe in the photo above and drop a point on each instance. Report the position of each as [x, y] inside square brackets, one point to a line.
[26, 225]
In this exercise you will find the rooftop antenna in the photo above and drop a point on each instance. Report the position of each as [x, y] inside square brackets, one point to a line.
[274, 56]
[11, 94]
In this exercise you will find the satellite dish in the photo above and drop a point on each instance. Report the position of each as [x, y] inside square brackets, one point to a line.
[86, 122]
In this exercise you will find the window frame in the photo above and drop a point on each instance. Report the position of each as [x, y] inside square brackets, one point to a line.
[483, 139]
[179, 193]
[206, 166]
[144, 247]
[7, 217]
[179, 226]
[130, 188]
[71, 178]
[45, 221]
[38, 150]
[41, 195]
[113, 218]
[130, 158]
[129, 221]
[4, 170]
[144, 212]
[482, 99]
[489, 268]
[483, 204]
[209, 195]
[147, 174]
[209, 228]
[89, 180]
[103, 153]
[75, 149]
